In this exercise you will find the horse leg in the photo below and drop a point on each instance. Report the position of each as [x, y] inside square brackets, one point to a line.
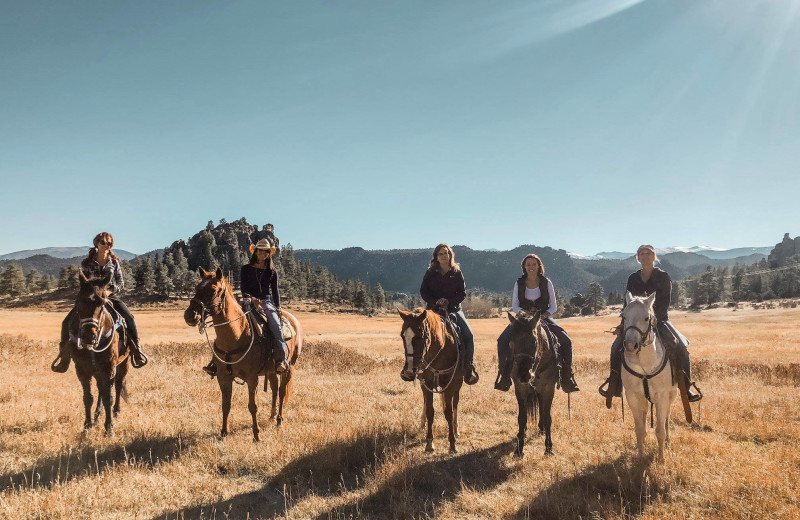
[662, 423]
[119, 385]
[104, 391]
[547, 420]
[428, 398]
[86, 383]
[283, 393]
[273, 387]
[252, 403]
[539, 405]
[226, 387]
[455, 414]
[522, 419]
[448, 415]
[639, 419]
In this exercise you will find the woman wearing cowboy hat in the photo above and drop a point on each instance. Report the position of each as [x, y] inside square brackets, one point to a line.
[259, 282]
[644, 282]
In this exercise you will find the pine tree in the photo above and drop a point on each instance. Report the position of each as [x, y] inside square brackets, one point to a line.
[12, 281]
[594, 298]
[180, 273]
[32, 281]
[68, 277]
[47, 283]
[379, 297]
[143, 274]
[163, 283]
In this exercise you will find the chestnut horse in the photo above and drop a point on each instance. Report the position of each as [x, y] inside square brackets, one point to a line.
[96, 349]
[535, 372]
[237, 351]
[429, 344]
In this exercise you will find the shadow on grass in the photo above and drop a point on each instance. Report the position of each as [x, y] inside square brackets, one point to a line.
[75, 463]
[615, 488]
[418, 490]
[332, 469]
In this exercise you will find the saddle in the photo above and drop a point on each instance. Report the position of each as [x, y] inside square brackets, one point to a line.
[261, 328]
[119, 325]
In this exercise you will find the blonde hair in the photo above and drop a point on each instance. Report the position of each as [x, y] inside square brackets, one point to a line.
[647, 247]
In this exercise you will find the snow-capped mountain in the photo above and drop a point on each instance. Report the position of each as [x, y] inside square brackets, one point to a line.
[716, 253]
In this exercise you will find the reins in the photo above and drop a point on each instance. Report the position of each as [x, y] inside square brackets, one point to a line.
[437, 372]
[207, 310]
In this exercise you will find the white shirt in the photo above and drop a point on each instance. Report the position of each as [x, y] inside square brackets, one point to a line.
[533, 294]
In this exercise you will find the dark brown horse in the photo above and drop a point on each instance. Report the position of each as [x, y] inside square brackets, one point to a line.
[238, 353]
[432, 356]
[96, 349]
[534, 373]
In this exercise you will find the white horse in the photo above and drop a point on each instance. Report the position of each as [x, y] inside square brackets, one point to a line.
[647, 373]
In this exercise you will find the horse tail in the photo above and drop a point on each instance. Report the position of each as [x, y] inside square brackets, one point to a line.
[124, 392]
[530, 405]
[299, 336]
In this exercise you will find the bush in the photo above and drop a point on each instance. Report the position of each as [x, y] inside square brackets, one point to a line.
[477, 308]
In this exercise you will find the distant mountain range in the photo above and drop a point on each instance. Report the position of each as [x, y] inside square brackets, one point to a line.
[715, 253]
[401, 270]
[61, 252]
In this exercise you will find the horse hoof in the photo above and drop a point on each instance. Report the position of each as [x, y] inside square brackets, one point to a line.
[223, 434]
[453, 450]
[87, 426]
[109, 432]
[256, 439]
[548, 452]
[519, 453]
[278, 422]
[429, 448]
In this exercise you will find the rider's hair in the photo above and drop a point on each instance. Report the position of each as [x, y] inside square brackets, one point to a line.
[648, 247]
[536, 257]
[254, 260]
[109, 239]
[435, 262]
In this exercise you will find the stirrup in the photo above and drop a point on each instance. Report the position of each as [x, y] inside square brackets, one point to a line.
[139, 363]
[569, 385]
[693, 397]
[60, 365]
[211, 369]
[281, 366]
[471, 377]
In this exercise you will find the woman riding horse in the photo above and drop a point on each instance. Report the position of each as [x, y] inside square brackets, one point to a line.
[99, 263]
[443, 289]
[259, 282]
[644, 282]
[533, 291]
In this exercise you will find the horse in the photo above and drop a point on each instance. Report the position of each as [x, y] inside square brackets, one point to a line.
[430, 346]
[647, 375]
[95, 338]
[237, 353]
[534, 373]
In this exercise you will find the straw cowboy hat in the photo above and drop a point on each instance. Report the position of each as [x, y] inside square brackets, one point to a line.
[264, 244]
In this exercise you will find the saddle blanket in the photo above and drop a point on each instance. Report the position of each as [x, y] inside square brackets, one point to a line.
[287, 329]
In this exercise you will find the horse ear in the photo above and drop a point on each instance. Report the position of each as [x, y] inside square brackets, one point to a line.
[650, 300]
[82, 277]
[403, 314]
[628, 297]
[203, 272]
[511, 318]
[219, 274]
[106, 280]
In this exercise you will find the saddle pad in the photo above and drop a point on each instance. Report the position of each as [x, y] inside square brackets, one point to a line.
[287, 329]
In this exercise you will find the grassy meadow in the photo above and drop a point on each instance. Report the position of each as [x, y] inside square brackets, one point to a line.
[351, 446]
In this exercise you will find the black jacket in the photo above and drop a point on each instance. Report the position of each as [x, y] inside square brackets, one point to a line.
[258, 283]
[659, 283]
[449, 285]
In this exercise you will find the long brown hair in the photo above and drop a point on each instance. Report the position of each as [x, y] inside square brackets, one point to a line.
[107, 238]
[435, 263]
[270, 263]
[536, 257]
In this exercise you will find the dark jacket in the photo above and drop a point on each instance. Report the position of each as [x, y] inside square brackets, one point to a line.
[542, 303]
[258, 283]
[659, 283]
[449, 285]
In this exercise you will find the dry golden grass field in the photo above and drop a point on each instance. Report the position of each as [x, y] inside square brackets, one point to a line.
[351, 446]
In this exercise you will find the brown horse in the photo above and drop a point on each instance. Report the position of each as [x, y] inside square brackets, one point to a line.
[238, 353]
[534, 372]
[96, 349]
[428, 344]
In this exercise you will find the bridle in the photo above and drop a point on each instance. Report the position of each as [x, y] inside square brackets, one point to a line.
[96, 337]
[425, 365]
[214, 308]
[646, 337]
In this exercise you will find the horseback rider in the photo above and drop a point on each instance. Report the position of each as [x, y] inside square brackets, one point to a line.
[443, 290]
[534, 291]
[644, 282]
[99, 263]
[259, 282]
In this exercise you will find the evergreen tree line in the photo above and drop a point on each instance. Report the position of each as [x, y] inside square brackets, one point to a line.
[13, 282]
[756, 282]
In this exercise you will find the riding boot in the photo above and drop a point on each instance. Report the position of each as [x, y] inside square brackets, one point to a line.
[470, 374]
[211, 368]
[61, 362]
[138, 358]
[503, 381]
[567, 379]
[682, 354]
[614, 381]
[280, 359]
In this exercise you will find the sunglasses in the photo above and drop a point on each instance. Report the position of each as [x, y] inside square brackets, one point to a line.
[104, 243]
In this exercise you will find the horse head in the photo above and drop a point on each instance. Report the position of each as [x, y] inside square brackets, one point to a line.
[90, 308]
[416, 338]
[209, 296]
[525, 342]
[638, 322]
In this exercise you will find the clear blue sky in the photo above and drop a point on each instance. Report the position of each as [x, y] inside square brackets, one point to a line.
[586, 125]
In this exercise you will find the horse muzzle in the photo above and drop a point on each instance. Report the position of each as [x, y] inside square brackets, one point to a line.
[191, 318]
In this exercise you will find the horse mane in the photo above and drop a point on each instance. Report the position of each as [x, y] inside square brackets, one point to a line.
[439, 332]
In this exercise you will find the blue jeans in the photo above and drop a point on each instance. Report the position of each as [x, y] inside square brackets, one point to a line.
[274, 324]
[467, 338]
